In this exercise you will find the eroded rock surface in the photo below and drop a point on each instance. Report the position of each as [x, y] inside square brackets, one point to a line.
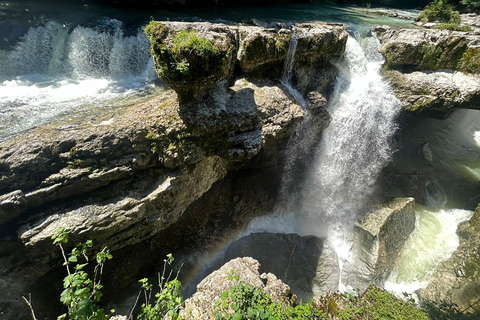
[202, 304]
[162, 175]
[378, 239]
[432, 70]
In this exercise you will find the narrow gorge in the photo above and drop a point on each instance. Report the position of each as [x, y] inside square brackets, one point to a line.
[336, 151]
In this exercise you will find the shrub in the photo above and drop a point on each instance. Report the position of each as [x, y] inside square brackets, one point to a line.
[244, 301]
[439, 10]
[471, 4]
[168, 299]
[452, 27]
[81, 294]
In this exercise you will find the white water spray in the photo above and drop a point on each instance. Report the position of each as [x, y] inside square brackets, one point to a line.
[354, 148]
[53, 71]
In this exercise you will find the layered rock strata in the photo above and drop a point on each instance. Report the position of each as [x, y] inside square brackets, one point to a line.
[155, 178]
[432, 70]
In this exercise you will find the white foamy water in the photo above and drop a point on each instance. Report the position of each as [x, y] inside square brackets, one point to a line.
[433, 241]
[355, 146]
[55, 71]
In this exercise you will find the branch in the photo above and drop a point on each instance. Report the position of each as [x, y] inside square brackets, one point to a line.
[29, 303]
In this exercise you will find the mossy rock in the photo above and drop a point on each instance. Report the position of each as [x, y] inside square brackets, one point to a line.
[260, 49]
[411, 50]
[191, 58]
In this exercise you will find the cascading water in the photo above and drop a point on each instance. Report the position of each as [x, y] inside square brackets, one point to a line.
[288, 72]
[53, 71]
[355, 147]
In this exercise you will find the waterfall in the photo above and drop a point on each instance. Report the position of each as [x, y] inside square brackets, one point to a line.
[354, 148]
[56, 69]
[288, 72]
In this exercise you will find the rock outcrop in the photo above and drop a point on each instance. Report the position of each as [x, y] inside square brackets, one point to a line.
[432, 70]
[202, 304]
[192, 58]
[157, 177]
[457, 280]
[378, 239]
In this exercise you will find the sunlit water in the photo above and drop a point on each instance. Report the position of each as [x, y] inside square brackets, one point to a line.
[433, 240]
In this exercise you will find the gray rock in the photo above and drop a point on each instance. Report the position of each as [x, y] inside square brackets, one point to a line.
[378, 239]
[202, 304]
[435, 90]
[429, 49]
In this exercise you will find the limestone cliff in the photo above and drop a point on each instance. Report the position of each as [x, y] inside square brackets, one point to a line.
[432, 70]
[160, 176]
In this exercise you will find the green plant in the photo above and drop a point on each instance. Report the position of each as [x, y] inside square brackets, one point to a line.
[452, 27]
[245, 301]
[471, 4]
[376, 303]
[439, 10]
[81, 294]
[168, 299]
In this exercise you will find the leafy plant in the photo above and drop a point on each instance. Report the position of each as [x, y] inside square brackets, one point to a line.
[245, 301]
[376, 303]
[471, 4]
[439, 10]
[81, 294]
[168, 299]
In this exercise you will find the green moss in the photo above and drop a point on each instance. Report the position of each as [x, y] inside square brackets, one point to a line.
[376, 303]
[452, 27]
[470, 61]
[184, 60]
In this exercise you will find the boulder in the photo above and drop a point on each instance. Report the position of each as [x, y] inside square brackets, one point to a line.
[379, 237]
[203, 302]
[190, 58]
[457, 280]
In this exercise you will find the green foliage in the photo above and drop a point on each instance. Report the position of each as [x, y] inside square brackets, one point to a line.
[447, 311]
[81, 294]
[439, 10]
[168, 299]
[376, 303]
[452, 27]
[471, 4]
[189, 41]
[244, 301]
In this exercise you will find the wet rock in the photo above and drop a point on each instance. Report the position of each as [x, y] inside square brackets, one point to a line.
[431, 70]
[202, 304]
[457, 279]
[427, 154]
[378, 239]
